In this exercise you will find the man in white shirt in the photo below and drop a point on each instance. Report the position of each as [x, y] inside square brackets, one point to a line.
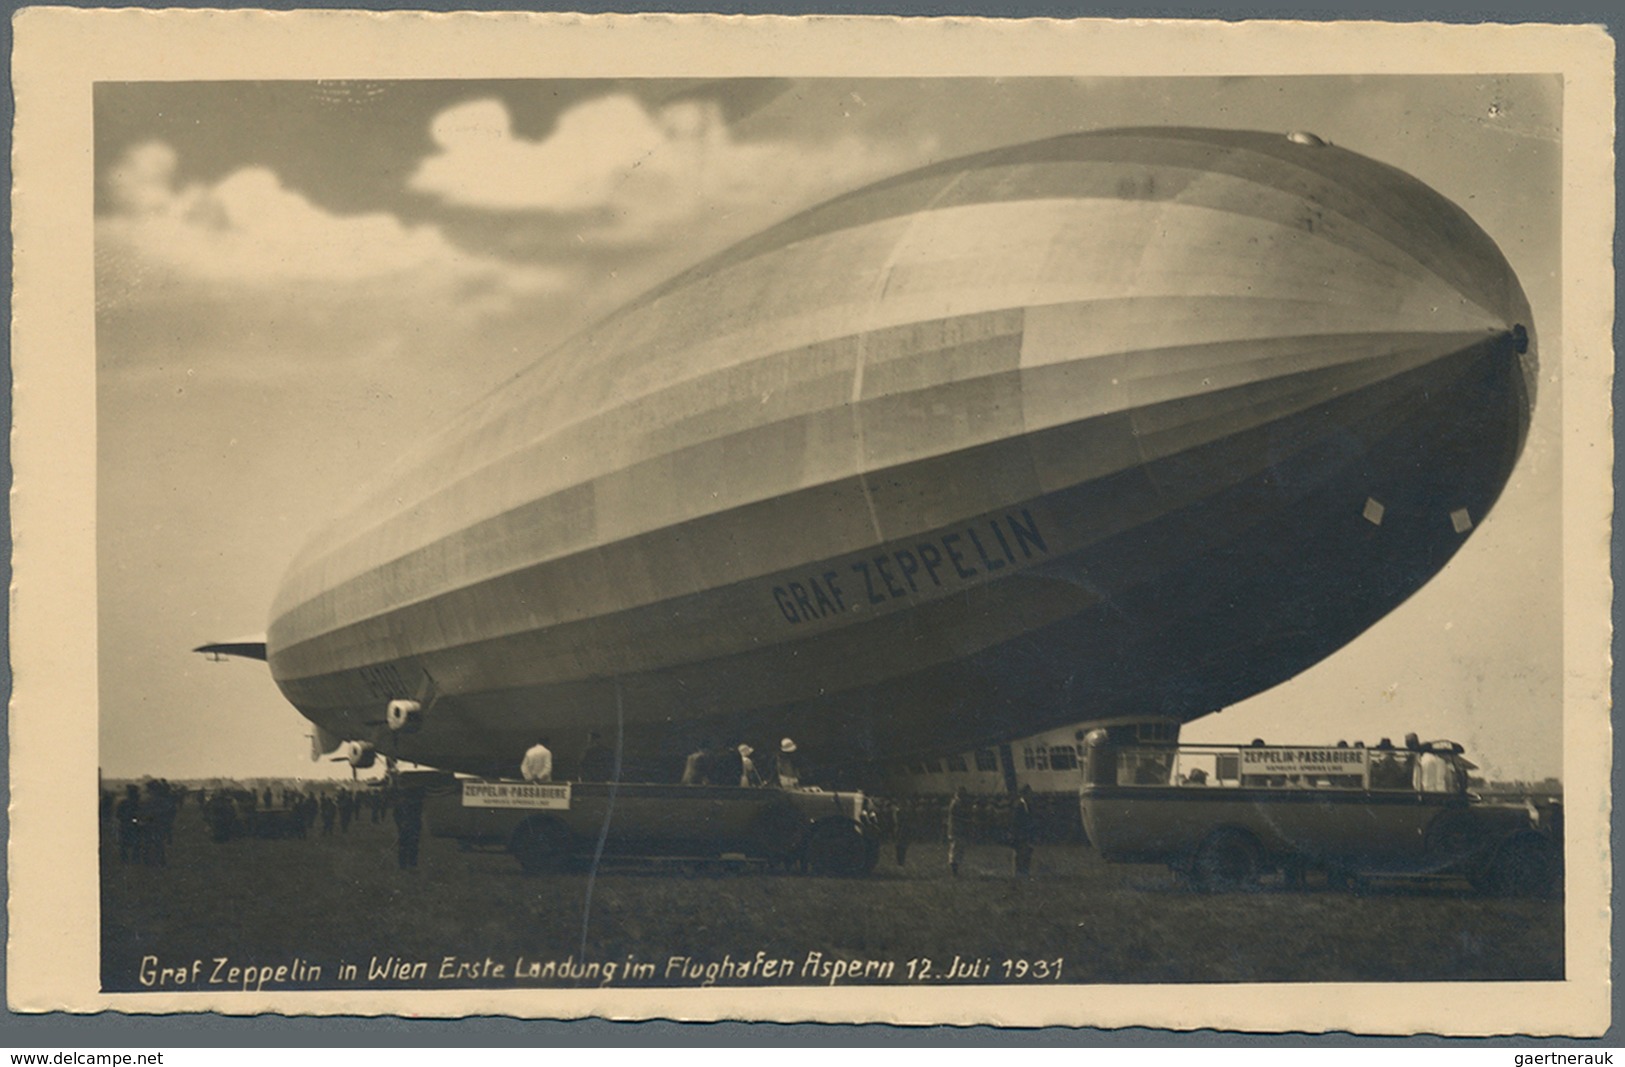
[537, 765]
[1434, 773]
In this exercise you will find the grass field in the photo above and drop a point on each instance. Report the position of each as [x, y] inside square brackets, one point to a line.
[331, 901]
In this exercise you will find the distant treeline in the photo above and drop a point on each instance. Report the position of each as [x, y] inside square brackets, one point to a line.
[1518, 787]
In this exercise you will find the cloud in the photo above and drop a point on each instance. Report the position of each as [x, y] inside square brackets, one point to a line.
[634, 175]
[249, 237]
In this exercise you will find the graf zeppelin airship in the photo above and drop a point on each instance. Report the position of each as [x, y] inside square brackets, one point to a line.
[1129, 424]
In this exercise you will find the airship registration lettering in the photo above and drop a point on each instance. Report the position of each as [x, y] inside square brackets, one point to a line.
[384, 681]
[948, 559]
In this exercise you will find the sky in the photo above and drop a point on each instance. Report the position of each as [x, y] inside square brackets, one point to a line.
[295, 280]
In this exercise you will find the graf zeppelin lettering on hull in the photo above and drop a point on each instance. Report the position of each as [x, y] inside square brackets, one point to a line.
[922, 568]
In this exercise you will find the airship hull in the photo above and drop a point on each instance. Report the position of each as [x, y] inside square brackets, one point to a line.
[1136, 423]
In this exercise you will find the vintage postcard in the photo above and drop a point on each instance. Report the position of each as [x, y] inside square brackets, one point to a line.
[959, 521]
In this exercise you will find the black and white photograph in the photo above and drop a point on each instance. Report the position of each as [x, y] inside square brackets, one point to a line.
[962, 546]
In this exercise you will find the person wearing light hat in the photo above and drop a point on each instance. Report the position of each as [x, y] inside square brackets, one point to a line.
[748, 775]
[785, 773]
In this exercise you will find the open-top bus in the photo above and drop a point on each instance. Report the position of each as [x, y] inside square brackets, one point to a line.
[1225, 815]
[550, 825]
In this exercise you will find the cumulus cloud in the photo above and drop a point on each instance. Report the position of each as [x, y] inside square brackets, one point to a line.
[635, 174]
[248, 235]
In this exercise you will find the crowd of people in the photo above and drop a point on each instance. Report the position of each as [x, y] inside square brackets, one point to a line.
[300, 810]
[1012, 821]
[144, 825]
[141, 821]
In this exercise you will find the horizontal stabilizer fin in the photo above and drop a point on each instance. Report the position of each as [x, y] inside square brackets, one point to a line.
[246, 647]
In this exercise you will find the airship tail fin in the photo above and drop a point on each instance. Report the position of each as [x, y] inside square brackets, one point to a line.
[246, 647]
